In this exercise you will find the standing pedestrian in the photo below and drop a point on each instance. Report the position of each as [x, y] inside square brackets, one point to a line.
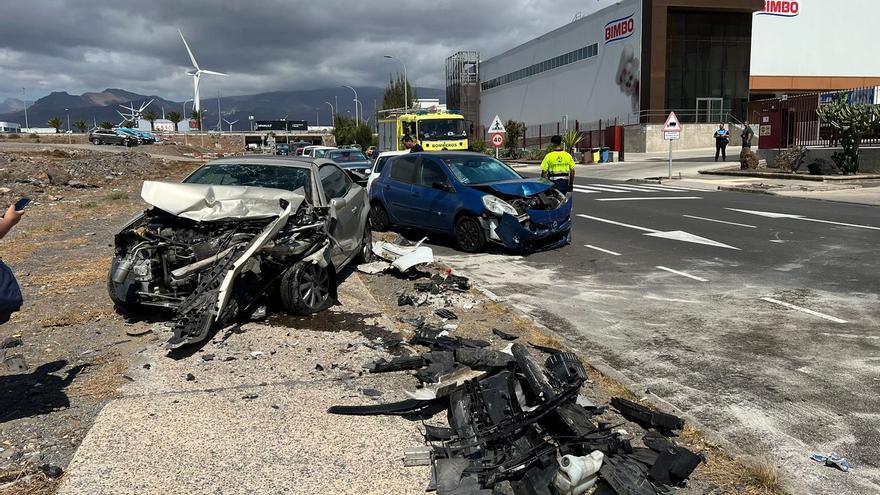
[747, 135]
[411, 145]
[722, 138]
[558, 166]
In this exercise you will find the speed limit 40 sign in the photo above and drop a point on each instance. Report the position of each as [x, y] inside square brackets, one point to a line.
[497, 140]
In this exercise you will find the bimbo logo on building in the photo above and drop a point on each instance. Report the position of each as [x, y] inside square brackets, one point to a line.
[781, 8]
[620, 29]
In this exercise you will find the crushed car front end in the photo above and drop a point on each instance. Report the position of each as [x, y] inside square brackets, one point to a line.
[209, 253]
[526, 216]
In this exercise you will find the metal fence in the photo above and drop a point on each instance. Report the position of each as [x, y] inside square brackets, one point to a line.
[798, 123]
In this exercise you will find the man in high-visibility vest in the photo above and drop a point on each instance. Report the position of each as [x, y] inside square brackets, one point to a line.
[558, 166]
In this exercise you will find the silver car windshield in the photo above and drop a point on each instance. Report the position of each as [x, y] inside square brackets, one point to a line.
[272, 176]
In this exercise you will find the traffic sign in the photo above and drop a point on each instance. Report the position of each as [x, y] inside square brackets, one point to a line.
[671, 135]
[672, 123]
[497, 127]
[497, 140]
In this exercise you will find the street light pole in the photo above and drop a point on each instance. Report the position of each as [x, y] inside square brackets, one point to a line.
[332, 114]
[356, 119]
[24, 97]
[68, 125]
[405, 84]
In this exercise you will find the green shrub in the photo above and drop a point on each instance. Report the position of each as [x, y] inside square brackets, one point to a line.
[14, 136]
[117, 195]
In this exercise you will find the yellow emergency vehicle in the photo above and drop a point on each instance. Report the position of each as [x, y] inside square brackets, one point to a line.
[434, 131]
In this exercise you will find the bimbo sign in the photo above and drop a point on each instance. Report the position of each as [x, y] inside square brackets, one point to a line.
[781, 8]
[620, 29]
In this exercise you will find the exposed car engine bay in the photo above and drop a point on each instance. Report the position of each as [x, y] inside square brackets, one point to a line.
[211, 271]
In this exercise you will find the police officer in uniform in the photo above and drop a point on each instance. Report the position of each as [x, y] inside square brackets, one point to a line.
[558, 166]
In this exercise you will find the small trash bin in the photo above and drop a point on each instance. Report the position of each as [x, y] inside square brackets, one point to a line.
[595, 155]
[605, 158]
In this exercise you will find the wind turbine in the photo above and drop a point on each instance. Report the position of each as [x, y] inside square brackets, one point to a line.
[135, 113]
[196, 72]
[230, 123]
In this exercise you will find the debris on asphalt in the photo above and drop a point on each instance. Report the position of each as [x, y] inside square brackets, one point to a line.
[406, 300]
[403, 258]
[207, 357]
[504, 335]
[439, 284]
[517, 423]
[832, 460]
[190, 377]
[374, 268]
[445, 314]
[10, 342]
[417, 456]
[249, 396]
[52, 470]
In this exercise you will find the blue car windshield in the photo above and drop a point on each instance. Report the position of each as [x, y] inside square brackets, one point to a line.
[479, 169]
[344, 156]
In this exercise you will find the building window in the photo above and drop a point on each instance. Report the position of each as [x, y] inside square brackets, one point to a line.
[571, 57]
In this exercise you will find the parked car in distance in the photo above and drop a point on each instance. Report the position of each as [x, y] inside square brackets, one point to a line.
[321, 152]
[131, 133]
[110, 136]
[282, 149]
[309, 150]
[147, 137]
[473, 197]
[352, 161]
[379, 164]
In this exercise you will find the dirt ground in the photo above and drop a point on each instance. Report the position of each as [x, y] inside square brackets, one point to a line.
[81, 353]
[175, 145]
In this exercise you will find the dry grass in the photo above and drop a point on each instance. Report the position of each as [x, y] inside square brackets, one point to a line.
[28, 483]
[72, 275]
[101, 380]
[78, 315]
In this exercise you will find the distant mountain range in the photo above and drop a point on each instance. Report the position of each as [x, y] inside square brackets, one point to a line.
[294, 105]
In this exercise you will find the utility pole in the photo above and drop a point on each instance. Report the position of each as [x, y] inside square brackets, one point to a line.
[24, 97]
[68, 125]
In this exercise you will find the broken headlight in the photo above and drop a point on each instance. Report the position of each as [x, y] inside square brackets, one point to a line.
[498, 206]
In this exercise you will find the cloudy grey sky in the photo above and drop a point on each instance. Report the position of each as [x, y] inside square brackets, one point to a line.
[265, 45]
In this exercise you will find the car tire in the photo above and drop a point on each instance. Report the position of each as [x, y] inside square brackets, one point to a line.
[306, 288]
[120, 304]
[469, 234]
[379, 219]
[96, 142]
[366, 251]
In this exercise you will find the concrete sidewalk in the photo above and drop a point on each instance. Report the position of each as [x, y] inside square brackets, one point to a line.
[254, 418]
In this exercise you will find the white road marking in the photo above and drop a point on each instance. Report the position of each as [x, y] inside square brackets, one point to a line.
[804, 310]
[612, 222]
[801, 217]
[669, 299]
[603, 188]
[585, 191]
[600, 249]
[652, 187]
[679, 235]
[849, 335]
[683, 274]
[676, 235]
[628, 187]
[720, 221]
[648, 198]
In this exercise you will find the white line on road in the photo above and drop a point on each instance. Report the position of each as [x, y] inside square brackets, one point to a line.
[628, 187]
[849, 335]
[643, 187]
[603, 188]
[683, 274]
[804, 310]
[720, 221]
[664, 188]
[801, 217]
[612, 222]
[600, 249]
[840, 223]
[648, 198]
[585, 191]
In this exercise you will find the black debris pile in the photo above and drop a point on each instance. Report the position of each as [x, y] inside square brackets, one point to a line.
[516, 425]
[439, 284]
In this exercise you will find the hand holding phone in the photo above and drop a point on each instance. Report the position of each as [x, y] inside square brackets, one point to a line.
[22, 203]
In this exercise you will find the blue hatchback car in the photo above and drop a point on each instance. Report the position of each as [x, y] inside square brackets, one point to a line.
[473, 197]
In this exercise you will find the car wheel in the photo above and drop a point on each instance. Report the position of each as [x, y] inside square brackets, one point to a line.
[96, 141]
[305, 288]
[366, 253]
[379, 217]
[469, 234]
[121, 302]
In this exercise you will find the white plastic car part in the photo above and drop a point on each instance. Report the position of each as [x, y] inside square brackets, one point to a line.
[576, 475]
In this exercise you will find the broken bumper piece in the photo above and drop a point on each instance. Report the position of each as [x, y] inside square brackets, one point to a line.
[542, 229]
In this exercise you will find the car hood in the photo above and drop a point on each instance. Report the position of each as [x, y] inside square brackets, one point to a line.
[517, 188]
[359, 164]
[202, 202]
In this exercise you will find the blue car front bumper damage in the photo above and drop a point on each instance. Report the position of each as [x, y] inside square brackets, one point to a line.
[540, 231]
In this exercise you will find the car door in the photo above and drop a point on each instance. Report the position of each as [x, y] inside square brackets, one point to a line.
[346, 200]
[434, 198]
[397, 190]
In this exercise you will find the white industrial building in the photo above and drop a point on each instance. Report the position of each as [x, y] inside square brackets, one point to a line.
[10, 127]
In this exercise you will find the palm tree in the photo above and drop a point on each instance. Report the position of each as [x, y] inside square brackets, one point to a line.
[197, 118]
[570, 139]
[175, 117]
[151, 116]
[106, 125]
[81, 125]
[56, 123]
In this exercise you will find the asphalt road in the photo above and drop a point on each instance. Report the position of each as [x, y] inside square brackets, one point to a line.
[756, 314]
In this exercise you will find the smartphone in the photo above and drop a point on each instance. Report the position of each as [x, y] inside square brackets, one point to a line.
[22, 203]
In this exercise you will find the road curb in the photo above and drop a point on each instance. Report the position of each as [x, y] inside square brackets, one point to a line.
[746, 190]
[790, 176]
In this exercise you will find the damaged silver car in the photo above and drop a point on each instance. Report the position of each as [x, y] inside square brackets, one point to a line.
[236, 230]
